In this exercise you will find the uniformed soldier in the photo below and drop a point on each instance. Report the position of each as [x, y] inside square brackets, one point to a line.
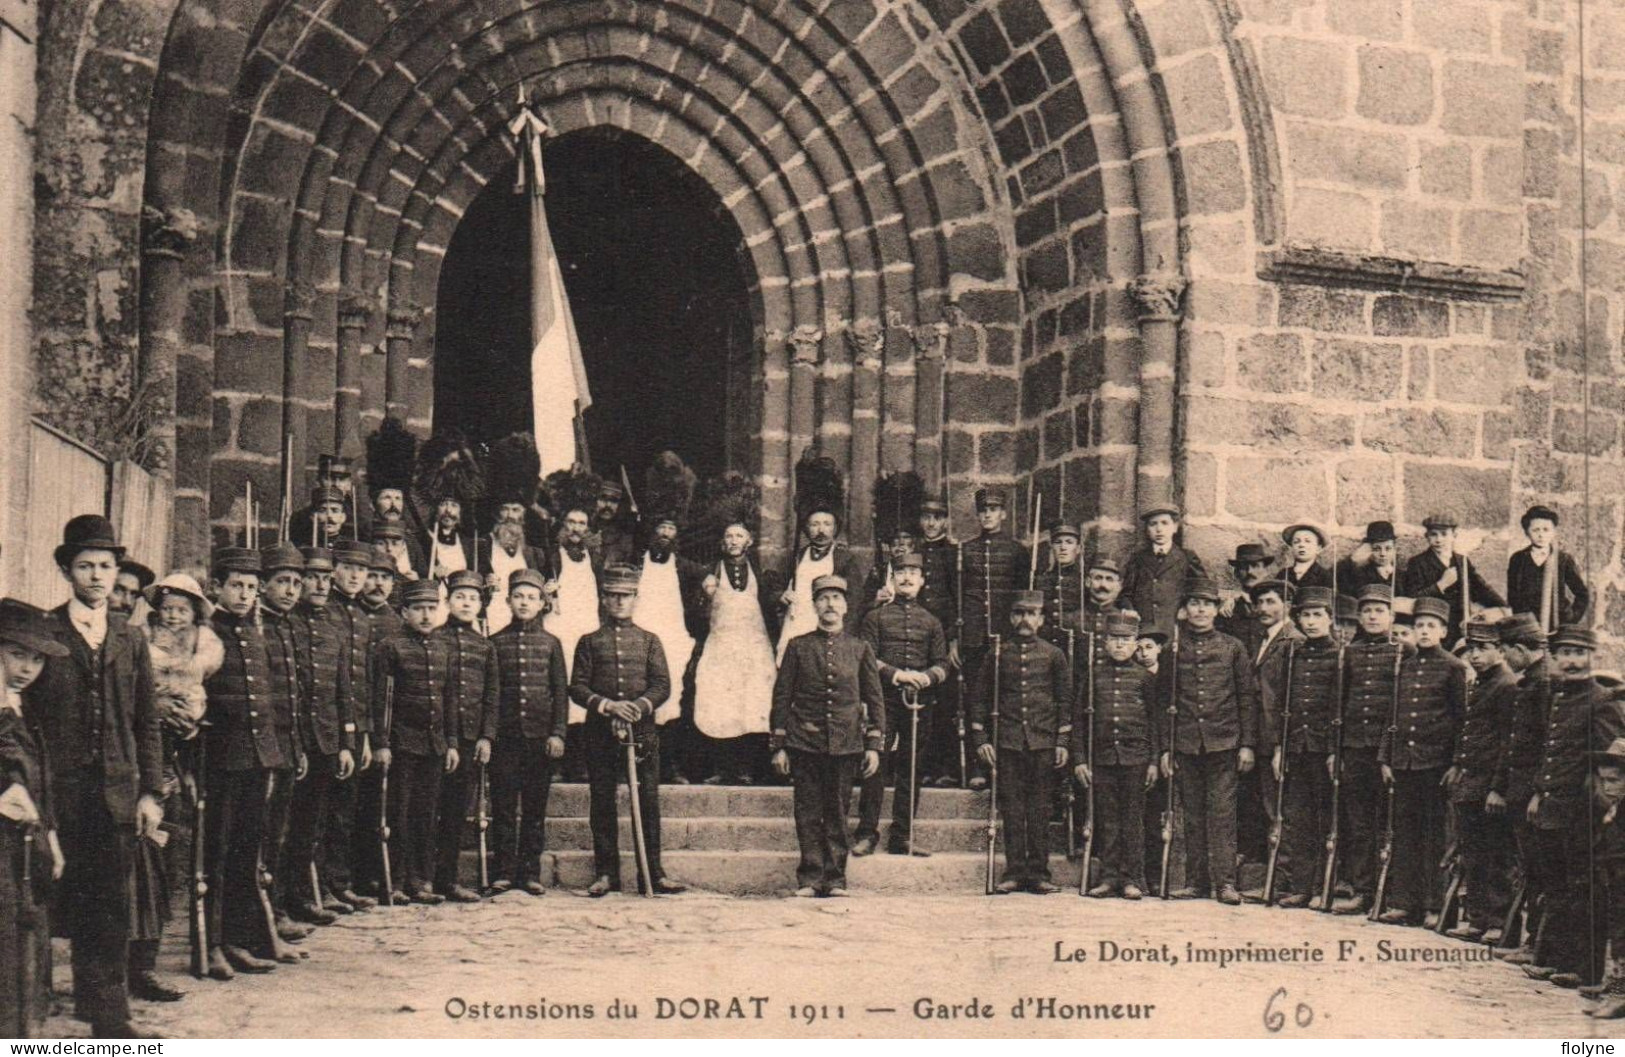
[827, 710]
[1372, 663]
[471, 725]
[620, 678]
[245, 745]
[1374, 561]
[1034, 710]
[1523, 645]
[352, 564]
[1127, 703]
[1415, 753]
[1215, 731]
[993, 567]
[382, 622]
[27, 644]
[1302, 567]
[1103, 599]
[412, 703]
[1485, 839]
[328, 733]
[1608, 791]
[391, 538]
[1563, 596]
[1255, 811]
[325, 521]
[1438, 573]
[283, 568]
[1062, 582]
[1299, 738]
[1155, 575]
[912, 651]
[940, 597]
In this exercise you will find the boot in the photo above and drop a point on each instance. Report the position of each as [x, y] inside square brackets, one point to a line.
[219, 968]
[1612, 999]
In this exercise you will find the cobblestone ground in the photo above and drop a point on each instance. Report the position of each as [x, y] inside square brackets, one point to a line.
[823, 965]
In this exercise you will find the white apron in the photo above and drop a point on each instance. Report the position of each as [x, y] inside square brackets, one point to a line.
[576, 613]
[660, 612]
[503, 564]
[733, 682]
[800, 618]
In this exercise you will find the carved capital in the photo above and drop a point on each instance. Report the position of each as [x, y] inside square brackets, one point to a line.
[355, 309]
[804, 342]
[1159, 295]
[300, 301]
[867, 339]
[931, 340]
[402, 320]
[167, 232]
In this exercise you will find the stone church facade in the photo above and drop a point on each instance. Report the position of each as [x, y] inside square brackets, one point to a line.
[1268, 260]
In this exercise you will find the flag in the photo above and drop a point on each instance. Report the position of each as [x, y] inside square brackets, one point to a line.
[558, 376]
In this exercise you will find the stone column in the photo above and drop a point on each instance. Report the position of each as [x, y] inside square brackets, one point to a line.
[400, 329]
[1159, 297]
[166, 236]
[355, 310]
[897, 399]
[866, 340]
[297, 312]
[930, 380]
[804, 342]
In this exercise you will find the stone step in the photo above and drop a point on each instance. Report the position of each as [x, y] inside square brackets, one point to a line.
[767, 873]
[570, 800]
[686, 833]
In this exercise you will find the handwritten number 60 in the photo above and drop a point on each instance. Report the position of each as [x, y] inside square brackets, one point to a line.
[1275, 1020]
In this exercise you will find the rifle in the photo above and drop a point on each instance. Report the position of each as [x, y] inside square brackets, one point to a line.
[1451, 864]
[1071, 783]
[1512, 927]
[262, 875]
[383, 796]
[1277, 825]
[993, 771]
[1328, 879]
[1089, 762]
[1385, 854]
[285, 515]
[26, 955]
[646, 883]
[959, 669]
[1173, 729]
[482, 811]
[200, 877]
[1032, 559]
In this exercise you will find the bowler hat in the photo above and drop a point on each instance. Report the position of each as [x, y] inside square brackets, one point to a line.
[1029, 601]
[1303, 526]
[352, 551]
[1574, 636]
[419, 591]
[623, 580]
[281, 556]
[1250, 554]
[143, 575]
[1379, 532]
[1537, 511]
[236, 560]
[87, 532]
[317, 559]
[1308, 597]
[1204, 587]
[828, 582]
[30, 627]
[527, 578]
[185, 586]
[465, 578]
[1437, 608]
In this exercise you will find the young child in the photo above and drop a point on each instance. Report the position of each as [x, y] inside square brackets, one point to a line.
[411, 697]
[1114, 749]
[533, 709]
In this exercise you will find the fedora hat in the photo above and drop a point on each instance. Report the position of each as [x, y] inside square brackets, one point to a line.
[87, 532]
[29, 626]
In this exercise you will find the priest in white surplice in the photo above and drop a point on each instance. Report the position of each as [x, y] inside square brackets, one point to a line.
[512, 477]
[573, 592]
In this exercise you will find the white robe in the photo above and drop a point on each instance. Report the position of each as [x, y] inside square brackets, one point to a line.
[733, 681]
[503, 565]
[575, 613]
[660, 612]
[800, 618]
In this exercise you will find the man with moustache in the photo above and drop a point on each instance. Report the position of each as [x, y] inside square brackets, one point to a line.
[325, 521]
[1238, 617]
[504, 552]
[383, 622]
[450, 547]
[820, 501]
[668, 587]
[391, 454]
[735, 672]
[133, 578]
[940, 597]
[1256, 806]
[994, 569]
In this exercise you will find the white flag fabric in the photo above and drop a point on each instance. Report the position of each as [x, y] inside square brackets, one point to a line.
[558, 377]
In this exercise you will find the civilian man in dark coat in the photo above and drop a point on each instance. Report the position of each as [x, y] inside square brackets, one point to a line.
[938, 552]
[1034, 710]
[828, 715]
[1302, 567]
[620, 678]
[1438, 572]
[1374, 561]
[1255, 809]
[97, 714]
[1238, 616]
[1215, 731]
[1563, 600]
[1155, 575]
[471, 726]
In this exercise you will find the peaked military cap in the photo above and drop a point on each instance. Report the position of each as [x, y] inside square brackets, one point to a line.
[353, 551]
[1028, 600]
[465, 578]
[419, 591]
[623, 580]
[281, 556]
[236, 560]
[527, 578]
[1574, 636]
[1437, 608]
[1204, 587]
[1308, 597]
[828, 582]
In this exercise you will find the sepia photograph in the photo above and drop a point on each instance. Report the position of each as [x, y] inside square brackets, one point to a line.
[812, 519]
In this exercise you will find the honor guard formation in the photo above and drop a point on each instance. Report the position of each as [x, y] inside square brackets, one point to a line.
[330, 722]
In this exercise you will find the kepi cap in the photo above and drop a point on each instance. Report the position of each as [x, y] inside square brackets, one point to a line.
[1028, 601]
[281, 556]
[1437, 608]
[1573, 636]
[236, 560]
[419, 591]
[829, 582]
[1204, 587]
[465, 578]
[619, 580]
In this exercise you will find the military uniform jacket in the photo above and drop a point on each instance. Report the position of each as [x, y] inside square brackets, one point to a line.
[96, 709]
[354, 629]
[473, 680]
[287, 685]
[1035, 697]
[1526, 581]
[382, 624]
[1090, 619]
[1128, 710]
[420, 669]
[1309, 705]
[939, 594]
[1217, 694]
[328, 710]
[1432, 700]
[1063, 600]
[1244, 626]
[1585, 716]
[533, 692]
[995, 568]
[1491, 706]
[1154, 583]
[1521, 748]
[827, 696]
[620, 662]
[1368, 694]
[1421, 579]
[242, 717]
[905, 637]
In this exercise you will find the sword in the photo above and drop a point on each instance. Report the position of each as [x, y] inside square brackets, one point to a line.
[383, 797]
[482, 809]
[646, 884]
[911, 701]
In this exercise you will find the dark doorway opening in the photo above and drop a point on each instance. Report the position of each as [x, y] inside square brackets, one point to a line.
[652, 263]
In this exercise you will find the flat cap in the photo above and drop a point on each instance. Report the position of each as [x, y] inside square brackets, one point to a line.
[1438, 521]
[1147, 515]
